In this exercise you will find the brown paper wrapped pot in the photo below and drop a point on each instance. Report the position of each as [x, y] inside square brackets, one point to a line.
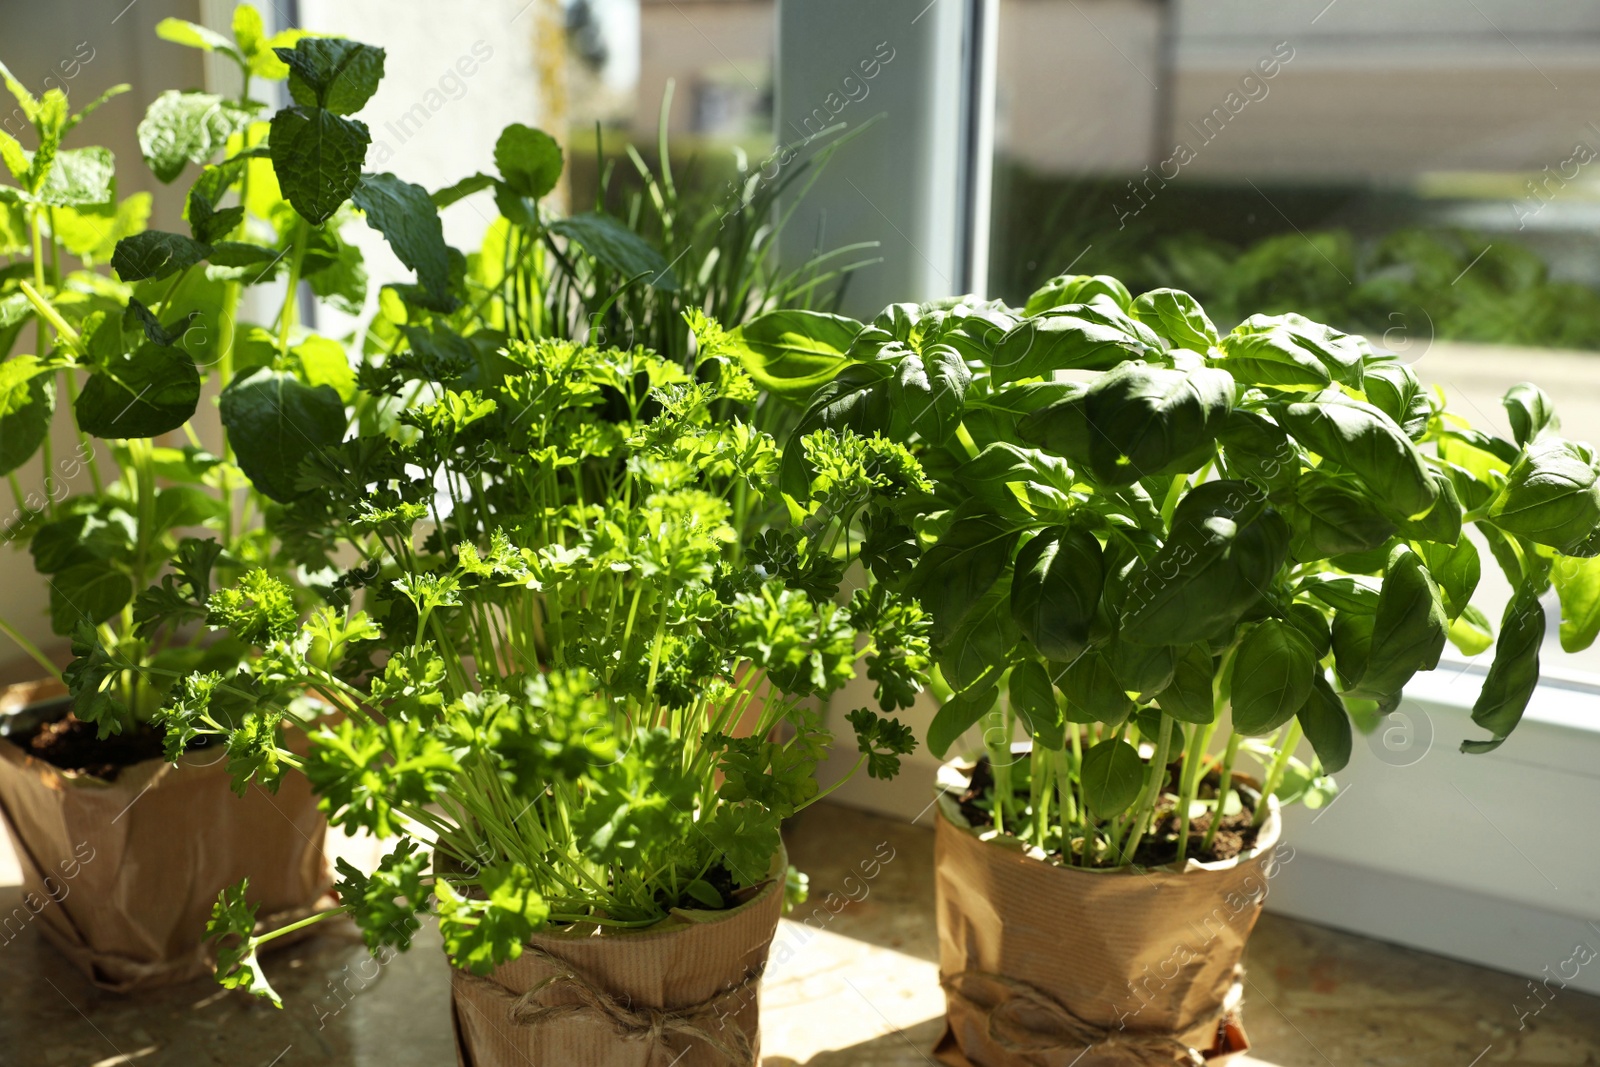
[121, 875]
[1047, 966]
[684, 992]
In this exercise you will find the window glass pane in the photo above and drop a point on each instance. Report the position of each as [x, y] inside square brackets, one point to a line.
[1422, 171]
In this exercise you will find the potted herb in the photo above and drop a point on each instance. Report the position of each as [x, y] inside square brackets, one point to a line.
[1158, 552]
[132, 559]
[541, 659]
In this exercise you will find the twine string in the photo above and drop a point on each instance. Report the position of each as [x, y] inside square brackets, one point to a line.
[653, 1025]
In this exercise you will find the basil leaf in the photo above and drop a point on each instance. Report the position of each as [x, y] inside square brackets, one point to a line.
[1224, 550]
[1352, 645]
[1272, 357]
[1530, 411]
[1055, 589]
[1334, 518]
[1327, 725]
[1073, 338]
[791, 352]
[1033, 697]
[958, 715]
[274, 421]
[1344, 355]
[930, 389]
[1551, 495]
[1092, 690]
[1310, 622]
[1076, 289]
[1471, 632]
[1409, 629]
[1442, 523]
[1144, 670]
[618, 247]
[956, 572]
[1577, 583]
[317, 157]
[1364, 440]
[1394, 390]
[1111, 778]
[1176, 316]
[1255, 449]
[406, 217]
[1272, 673]
[1190, 696]
[1514, 673]
[1136, 421]
[141, 393]
[986, 638]
[1456, 568]
[1356, 593]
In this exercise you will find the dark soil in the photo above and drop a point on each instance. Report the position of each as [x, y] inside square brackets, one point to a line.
[74, 745]
[1237, 833]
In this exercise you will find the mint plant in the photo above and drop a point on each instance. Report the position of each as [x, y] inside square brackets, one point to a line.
[132, 564]
[1141, 532]
[572, 692]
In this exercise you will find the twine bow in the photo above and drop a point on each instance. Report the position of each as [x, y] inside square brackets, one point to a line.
[1008, 1032]
[654, 1025]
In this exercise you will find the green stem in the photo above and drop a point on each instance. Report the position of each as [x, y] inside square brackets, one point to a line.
[286, 314]
[1280, 763]
[1193, 757]
[30, 648]
[321, 916]
[1224, 787]
[1144, 815]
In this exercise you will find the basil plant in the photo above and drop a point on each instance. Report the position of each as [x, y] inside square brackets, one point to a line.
[1142, 532]
[570, 693]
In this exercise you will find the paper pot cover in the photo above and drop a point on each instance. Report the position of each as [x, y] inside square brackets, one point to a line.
[684, 992]
[121, 875]
[1047, 966]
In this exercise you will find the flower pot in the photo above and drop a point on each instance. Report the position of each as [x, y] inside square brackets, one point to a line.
[1047, 966]
[685, 991]
[120, 875]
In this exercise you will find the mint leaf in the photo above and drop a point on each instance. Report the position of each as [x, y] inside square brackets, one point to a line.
[460, 190]
[529, 160]
[332, 73]
[618, 247]
[317, 156]
[79, 177]
[139, 394]
[166, 336]
[155, 254]
[180, 128]
[274, 420]
[408, 220]
[27, 403]
[87, 592]
[207, 223]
